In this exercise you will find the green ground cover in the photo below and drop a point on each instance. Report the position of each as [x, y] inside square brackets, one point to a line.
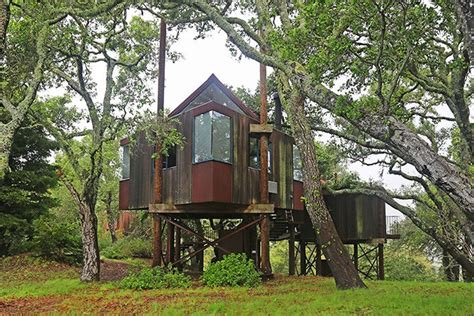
[28, 285]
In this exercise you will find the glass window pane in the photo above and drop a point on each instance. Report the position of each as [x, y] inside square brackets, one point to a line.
[213, 93]
[254, 160]
[202, 137]
[269, 156]
[221, 142]
[297, 165]
[125, 155]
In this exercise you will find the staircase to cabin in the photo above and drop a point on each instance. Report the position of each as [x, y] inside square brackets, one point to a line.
[279, 225]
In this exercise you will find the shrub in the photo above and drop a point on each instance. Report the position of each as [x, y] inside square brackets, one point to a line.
[155, 278]
[233, 270]
[406, 267]
[57, 240]
[129, 247]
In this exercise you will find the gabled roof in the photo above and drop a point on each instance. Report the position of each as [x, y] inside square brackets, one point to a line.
[212, 80]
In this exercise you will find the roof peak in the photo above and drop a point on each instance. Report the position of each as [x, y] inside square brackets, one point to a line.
[212, 79]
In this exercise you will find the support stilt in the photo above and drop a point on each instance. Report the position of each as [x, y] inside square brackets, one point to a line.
[170, 243]
[356, 256]
[157, 244]
[177, 250]
[319, 263]
[265, 243]
[291, 250]
[381, 268]
[303, 257]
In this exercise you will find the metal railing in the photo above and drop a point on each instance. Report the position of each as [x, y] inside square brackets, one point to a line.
[392, 224]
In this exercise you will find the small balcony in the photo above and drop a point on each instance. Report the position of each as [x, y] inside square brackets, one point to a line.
[392, 224]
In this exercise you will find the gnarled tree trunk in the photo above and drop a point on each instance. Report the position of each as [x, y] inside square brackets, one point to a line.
[90, 245]
[338, 257]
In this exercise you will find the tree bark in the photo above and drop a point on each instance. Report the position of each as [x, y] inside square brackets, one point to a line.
[451, 272]
[6, 141]
[90, 245]
[4, 20]
[338, 257]
[465, 10]
[110, 217]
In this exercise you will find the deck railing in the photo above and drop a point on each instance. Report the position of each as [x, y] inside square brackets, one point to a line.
[392, 224]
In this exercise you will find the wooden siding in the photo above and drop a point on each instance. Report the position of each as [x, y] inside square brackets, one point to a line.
[282, 169]
[140, 174]
[357, 217]
[179, 182]
[184, 160]
[169, 188]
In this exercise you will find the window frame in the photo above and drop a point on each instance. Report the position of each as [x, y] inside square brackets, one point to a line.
[122, 147]
[172, 151]
[269, 154]
[231, 139]
[258, 152]
[294, 147]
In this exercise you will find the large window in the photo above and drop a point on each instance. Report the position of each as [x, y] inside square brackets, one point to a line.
[297, 165]
[212, 137]
[125, 155]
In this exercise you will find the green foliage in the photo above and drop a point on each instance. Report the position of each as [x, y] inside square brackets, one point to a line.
[155, 278]
[408, 267]
[279, 257]
[153, 128]
[233, 270]
[128, 247]
[57, 240]
[24, 192]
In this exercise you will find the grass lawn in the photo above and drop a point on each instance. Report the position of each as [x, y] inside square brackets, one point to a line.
[34, 286]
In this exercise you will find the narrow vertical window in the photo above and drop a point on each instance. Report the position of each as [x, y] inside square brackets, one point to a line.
[212, 137]
[269, 157]
[170, 160]
[125, 155]
[297, 165]
[254, 152]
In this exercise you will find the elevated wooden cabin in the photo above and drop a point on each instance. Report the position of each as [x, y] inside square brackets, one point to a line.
[216, 173]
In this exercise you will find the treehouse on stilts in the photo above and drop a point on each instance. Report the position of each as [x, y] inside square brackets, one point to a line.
[216, 175]
[234, 166]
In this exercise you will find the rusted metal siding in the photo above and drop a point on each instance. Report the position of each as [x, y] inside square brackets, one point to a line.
[212, 182]
[298, 193]
[124, 193]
